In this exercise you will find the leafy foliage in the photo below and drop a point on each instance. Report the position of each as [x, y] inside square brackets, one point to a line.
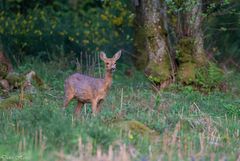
[84, 26]
[210, 76]
[222, 33]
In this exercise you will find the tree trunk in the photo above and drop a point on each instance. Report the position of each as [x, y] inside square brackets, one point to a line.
[195, 25]
[190, 49]
[152, 52]
[153, 44]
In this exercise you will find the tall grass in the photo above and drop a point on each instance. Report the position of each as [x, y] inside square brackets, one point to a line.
[184, 124]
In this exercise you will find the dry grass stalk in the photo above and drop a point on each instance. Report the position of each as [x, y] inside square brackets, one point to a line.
[121, 99]
[173, 142]
[85, 153]
[180, 154]
[202, 146]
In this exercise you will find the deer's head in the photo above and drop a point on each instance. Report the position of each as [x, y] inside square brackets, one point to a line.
[110, 63]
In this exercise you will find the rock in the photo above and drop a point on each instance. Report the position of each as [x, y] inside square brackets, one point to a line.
[4, 85]
[14, 101]
[138, 128]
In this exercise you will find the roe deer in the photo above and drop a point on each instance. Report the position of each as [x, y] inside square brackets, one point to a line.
[88, 89]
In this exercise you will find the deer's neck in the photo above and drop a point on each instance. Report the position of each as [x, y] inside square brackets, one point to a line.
[107, 80]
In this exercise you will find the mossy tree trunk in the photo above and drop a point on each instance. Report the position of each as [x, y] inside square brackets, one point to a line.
[193, 25]
[152, 44]
[152, 52]
[190, 49]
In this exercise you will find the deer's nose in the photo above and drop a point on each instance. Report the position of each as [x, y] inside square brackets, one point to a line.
[114, 66]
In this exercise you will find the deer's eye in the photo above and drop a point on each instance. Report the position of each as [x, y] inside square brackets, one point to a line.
[107, 63]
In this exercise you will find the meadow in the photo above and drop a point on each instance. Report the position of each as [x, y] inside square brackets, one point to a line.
[136, 122]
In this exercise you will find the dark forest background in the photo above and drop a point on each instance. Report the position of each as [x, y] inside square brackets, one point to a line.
[42, 28]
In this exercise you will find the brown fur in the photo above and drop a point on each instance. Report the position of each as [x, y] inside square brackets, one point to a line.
[88, 89]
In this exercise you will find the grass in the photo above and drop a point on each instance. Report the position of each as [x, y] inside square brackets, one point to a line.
[135, 123]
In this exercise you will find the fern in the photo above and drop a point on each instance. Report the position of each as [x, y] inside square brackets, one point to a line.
[209, 76]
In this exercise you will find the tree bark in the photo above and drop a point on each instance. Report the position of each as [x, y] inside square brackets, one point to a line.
[5, 66]
[151, 42]
[190, 47]
[192, 28]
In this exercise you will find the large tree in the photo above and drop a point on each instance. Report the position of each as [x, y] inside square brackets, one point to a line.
[151, 43]
[169, 41]
[190, 52]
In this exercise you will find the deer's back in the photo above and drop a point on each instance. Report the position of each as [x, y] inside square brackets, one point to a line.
[84, 88]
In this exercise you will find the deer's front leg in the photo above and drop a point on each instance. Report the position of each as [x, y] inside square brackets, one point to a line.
[94, 107]
[99, 105]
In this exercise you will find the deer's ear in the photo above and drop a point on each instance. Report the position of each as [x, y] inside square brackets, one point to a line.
[117, 55]
[103, 56]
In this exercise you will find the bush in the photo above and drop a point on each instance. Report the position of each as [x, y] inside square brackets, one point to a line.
[75, 27]
[209, 76]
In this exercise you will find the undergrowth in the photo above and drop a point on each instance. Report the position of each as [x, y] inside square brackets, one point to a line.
[183, 123]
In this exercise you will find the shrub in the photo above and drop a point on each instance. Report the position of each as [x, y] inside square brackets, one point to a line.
[75, 27]
[209, 76]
